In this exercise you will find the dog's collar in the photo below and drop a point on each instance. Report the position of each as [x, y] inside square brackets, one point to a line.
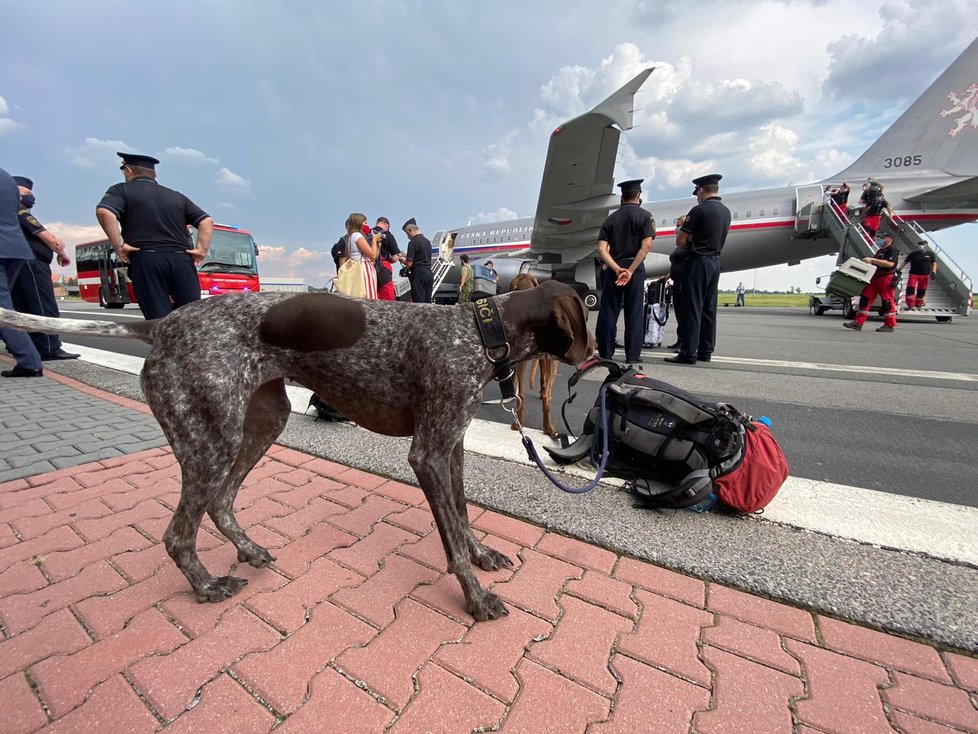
[497, 347]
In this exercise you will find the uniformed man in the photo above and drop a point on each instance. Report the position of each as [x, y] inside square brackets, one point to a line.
[418, 262]
[923, 267]
[677, 273]
[881, 284]
[14, 255]
[388, 254]
[624, 241]
[154, 239]
[33, 291]
[704, 233]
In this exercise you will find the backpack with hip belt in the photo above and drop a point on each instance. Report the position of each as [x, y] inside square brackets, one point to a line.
[705, 451]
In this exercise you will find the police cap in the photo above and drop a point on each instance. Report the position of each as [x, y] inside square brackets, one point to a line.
[409, 223]
[712, 179]
[135, 159]
[631, 187]
[23, 181]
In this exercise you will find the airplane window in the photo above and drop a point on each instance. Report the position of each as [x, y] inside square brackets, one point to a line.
[760, 213]
[736, 215]
[774, 212]
[747, 215]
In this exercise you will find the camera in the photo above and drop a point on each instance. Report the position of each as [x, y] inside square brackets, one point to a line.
[378, 230]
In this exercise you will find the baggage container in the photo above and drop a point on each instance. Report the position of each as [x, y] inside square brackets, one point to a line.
[850, 278]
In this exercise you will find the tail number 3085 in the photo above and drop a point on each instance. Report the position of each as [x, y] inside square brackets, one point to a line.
[904, 162]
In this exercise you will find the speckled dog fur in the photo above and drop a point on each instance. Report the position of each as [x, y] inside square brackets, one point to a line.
[215, 380]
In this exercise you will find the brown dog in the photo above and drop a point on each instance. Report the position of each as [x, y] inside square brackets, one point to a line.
[546, 365]
[215, 380]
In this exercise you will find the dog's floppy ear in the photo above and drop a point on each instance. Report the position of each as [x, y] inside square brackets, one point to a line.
[566, 336]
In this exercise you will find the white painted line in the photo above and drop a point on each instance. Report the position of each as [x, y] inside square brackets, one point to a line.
[116, 313]
[936, 529]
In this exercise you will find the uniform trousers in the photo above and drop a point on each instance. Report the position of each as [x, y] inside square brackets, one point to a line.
[699, 327]
[422, 283]
[19, 344]
[33, 292]
[158, 277]
[614, 298]
[916, 290]
[881, 286]
[680, 306]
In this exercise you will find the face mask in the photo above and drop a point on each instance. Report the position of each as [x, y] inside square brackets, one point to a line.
[27, 200]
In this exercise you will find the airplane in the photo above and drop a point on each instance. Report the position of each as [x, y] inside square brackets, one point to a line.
[927, 159]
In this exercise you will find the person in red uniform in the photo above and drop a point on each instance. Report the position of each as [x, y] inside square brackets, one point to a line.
[923, 265]
[880, 285]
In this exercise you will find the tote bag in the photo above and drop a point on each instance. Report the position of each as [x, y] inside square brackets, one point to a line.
[349, 278]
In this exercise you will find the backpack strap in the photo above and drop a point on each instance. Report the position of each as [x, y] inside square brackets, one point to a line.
[693, 489]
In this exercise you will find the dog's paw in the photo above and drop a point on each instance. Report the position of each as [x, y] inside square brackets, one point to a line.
[259, 558]
[488, 606]
[220, 588]
[489, 559]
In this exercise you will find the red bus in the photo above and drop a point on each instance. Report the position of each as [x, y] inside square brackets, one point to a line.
[231, 266]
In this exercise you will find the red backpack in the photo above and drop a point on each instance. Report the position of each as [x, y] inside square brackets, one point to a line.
[752, 483]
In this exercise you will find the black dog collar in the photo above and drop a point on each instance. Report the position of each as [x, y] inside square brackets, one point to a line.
[494, 337]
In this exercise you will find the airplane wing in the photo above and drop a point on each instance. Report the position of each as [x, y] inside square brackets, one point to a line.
[578, 180]
[962, 193]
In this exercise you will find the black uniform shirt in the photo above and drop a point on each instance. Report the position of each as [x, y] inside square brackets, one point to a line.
[625, 229]
[677, 263]
[876, 206]
[419, 251]
[31, 229]
[153, 217]
[921, 262]
[889, 254]
[708, 224]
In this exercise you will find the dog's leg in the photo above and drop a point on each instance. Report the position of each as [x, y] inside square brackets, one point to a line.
[486, 558]
[520, 377]
[432, 464]
[548, 375]
[268, 412]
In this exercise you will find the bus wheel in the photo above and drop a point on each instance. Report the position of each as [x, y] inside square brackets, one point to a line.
[592, 299]
[943, 319]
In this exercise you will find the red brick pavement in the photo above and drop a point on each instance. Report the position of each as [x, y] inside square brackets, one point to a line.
[357, 627]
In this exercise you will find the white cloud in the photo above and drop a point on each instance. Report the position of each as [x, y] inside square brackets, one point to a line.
[301, 263]
[497, 155]
[7, 125]
[188, 154]
[499, 215]
[4, 107]
[226, 205]
[73, 234]
[227, 180]
[95, 152]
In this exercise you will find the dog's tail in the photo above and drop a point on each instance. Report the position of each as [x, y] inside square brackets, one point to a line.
[26, 322]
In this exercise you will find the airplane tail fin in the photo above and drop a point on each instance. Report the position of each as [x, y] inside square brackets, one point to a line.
[937, 134]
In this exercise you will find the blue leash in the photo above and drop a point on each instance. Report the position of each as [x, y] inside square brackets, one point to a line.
[531, 452]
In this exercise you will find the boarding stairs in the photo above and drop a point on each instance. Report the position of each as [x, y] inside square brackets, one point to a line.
[948, 294]
[440, 269]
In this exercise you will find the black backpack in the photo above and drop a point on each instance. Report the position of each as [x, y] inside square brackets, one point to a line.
[657, 432]
[325, 411]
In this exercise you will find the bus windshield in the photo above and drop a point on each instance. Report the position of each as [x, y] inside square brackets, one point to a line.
[230, 250]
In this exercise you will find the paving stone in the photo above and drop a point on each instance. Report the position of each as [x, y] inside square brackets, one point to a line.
[339, 701]
[965, 669]
[375, 598]
[661, 581]
[64, 681]
[667, 635]
[224, 707]
[754, 643]
[447, 703]
[71, 497]
[934, 701]
[64, 564]
[429, 550]
[406, 494]
[348, 495]
[914, 725]
[286, 607]
[650, 701]
[569, 707]
[842, 693]
[98, 528]
[32, 527]
[170, 681]
[39, 467]
[577, 553]
[296, 523]
[105, 452]
[7, 535]
[419, 521]
[537, 583]
[781, 618]
[489, 653]
[299, 497]
[289, 456]
[282, 674]
[604, 591]
[361, 520]
[747, 697]
[106, 615]
[57, 634]
[21, 577]
[388, 661]
[31, 508]
[123, 471]
[112, 707]
[294, 559]
[366, 555]
[21, 710]
[887, 650]
[60, 538]
[581, 644]
[362, 479]
[20, 612]
[518, 531]
[159, 488]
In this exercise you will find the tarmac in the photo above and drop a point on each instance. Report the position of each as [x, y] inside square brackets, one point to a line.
[357, 627]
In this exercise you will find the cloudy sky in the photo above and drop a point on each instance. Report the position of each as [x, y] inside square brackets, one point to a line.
[284, 117]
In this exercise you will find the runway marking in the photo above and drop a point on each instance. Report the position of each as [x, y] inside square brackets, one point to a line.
[824, 367]
[935, 529]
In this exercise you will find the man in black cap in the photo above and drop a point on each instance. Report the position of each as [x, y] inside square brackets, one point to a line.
[154, 237]
[33, 291]
[418, 262]
[14, 255]
[704, 232]
[624, 241]
[388, 254]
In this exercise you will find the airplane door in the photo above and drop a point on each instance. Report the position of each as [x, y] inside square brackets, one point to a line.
[808, 202]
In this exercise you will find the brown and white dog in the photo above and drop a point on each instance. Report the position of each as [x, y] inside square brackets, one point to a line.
[546, 365]
[215, 380]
